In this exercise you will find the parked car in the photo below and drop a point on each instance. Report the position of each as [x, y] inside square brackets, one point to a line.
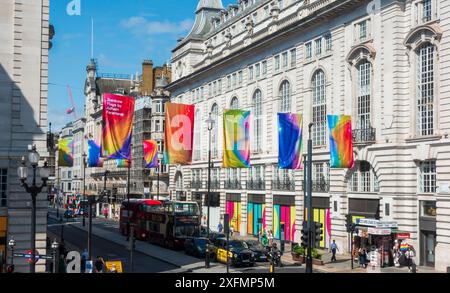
[69, 214]
[238, 255]
[196, 246]
[258, 250]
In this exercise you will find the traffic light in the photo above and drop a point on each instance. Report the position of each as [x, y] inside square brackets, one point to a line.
[318, 233]
[349, 223]
[305, 235]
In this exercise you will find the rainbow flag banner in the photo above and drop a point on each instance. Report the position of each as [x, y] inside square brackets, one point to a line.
[118, 113]
[65, 152]
[289, 141]
[123, 163]
[94, 159]
[341, 143]
[179, 134]
[150, 154]
[236, 144]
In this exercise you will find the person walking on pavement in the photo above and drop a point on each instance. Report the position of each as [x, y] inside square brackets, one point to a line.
[333, 248]
[99, 265]
[105, 212]
[220, 227]
[84, 257]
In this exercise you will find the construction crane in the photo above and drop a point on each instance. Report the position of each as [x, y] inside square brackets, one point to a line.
[71, 110]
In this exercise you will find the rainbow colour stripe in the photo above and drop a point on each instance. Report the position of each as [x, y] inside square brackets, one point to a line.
[94, 159]
[289, 141]
[123, 163]
[236, 143]
[118, 125]
[179, 134]
[65, 152]
[341, 143]
[150, 154]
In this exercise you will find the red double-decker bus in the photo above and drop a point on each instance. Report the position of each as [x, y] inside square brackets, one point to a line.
[135, 209]
[170, 223]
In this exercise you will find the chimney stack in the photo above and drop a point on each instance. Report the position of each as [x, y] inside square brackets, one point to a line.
[148, 85]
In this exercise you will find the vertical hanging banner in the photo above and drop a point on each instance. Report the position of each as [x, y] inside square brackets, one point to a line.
[123, 163]
[341, 144]
[179, 134]
[150, 154]
[236, 143]
[94, 159]
[65, 152]
[289, 141]
[118, 113]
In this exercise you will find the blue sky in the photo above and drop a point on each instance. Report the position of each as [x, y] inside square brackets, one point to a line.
[126, 33]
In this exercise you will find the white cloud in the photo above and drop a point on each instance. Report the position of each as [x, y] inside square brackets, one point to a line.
[141, 26]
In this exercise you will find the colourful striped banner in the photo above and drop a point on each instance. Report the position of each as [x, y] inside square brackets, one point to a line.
[94, 159]
[289, 141]
[150, 154]
[65, 152]
[341, 144]
[118, 113]
[236, 143]
[179, 134]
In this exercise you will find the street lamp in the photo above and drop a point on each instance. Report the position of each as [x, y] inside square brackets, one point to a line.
[92, 201]
[211, 123]
[55, 246]
[84, 189]
[12, 244]
[34, 190]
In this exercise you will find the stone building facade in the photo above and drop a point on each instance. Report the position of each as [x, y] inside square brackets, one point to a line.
[24, 47]
[385, 62]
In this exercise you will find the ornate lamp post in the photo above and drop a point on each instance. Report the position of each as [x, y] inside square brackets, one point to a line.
[33, 190]
[55, 246]
[12, 245]
[211, 123]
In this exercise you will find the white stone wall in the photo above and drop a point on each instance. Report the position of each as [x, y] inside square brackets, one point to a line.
[23, 111]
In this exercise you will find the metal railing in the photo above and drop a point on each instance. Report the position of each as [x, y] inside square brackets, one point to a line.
[364, 135]
[257, 184]
[320, 186]
[196, 184]
[285, 185]
[215, 184]
[233, 184]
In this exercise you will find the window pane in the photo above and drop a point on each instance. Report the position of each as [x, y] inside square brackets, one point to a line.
[364, 93]
[285, 93]
[425, 90]
[319, 109]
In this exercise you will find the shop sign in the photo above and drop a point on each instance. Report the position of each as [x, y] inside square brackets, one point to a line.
[378, 231]
[376, 223]
[403, 235]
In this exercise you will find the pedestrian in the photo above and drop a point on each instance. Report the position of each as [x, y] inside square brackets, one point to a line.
[62, 248]
[99, 265]
[105, 212]
[84, 257]
[231, 231]
[364, 258]
[270, 237]
[220, 227]
[333, 248]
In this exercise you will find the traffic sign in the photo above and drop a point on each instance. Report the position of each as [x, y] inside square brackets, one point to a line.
[36, 256]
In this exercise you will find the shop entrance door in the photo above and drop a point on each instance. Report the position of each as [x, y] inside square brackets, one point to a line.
[428, 248]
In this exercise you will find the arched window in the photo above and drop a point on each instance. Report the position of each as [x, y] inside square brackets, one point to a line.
[425, 89]
[364, 91]
[363, 178]
[285, 94]
[319, 108]
[257, 121]
[214, 132]
[234, 105]
[197, 135]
